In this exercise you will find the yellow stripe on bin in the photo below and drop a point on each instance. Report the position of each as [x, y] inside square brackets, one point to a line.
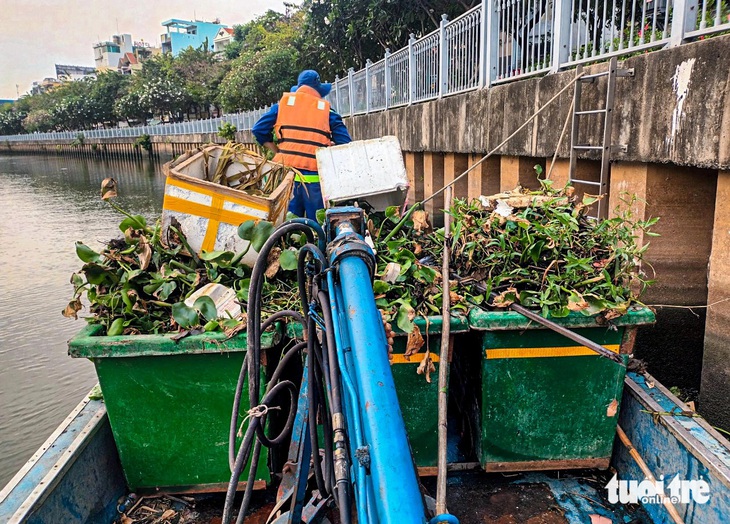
[559, 351]
[211, 232]
[400, 358]
[180, 205]
[212, 193]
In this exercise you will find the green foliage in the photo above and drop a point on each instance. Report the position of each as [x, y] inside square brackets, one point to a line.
[227, 131]
[338, 34]
[544, 254]
[144, 141]
[79, 140]
[259, 78]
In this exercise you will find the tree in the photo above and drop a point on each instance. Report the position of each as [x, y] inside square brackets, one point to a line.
[11, 120]
[105, 91]
[202, 74]
[268, 64]
[339, 34]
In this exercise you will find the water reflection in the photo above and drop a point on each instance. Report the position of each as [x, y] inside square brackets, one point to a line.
[46, 204]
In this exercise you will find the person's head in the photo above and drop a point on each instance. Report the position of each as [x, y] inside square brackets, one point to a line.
[311, 78]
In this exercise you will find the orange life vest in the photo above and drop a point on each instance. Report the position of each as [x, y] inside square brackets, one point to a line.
[302, 126]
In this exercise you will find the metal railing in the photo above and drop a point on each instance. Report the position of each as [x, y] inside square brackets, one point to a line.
[242, 121]
[496, 41]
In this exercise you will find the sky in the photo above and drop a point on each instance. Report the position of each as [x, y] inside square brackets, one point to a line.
[37, 34]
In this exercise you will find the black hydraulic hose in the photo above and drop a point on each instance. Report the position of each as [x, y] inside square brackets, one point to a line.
[254, 293]
[340, 463]
[244, 451]
[313, 408]
[251, 369]
[242, 378]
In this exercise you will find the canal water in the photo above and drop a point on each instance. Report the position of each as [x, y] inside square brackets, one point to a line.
[46, 204]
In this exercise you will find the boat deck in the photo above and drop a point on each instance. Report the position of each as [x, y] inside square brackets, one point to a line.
[576, 497]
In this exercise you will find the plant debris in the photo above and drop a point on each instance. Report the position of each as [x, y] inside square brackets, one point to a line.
[534, 248]
[242, 169]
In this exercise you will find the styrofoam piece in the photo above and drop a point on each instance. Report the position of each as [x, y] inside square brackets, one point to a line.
[223, 297]
[364, 170]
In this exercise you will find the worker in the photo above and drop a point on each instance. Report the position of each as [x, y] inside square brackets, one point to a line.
[294, 129]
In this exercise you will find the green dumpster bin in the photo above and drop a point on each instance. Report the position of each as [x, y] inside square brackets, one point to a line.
[418, 398]
[547, 402]
[169, 405]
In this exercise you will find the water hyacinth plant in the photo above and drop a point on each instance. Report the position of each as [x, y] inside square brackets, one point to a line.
[535, 248]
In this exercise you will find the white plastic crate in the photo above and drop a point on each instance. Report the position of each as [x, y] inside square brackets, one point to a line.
[364, 170]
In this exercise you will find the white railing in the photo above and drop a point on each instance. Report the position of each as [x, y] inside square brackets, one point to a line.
[496, 41]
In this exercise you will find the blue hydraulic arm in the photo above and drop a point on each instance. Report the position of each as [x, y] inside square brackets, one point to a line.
[384, 451]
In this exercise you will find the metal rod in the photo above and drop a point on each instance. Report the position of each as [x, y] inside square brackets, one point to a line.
[567, 333]
[444, 362]
[647, 472]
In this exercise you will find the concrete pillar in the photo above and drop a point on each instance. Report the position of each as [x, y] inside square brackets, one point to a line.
[518, 171]
[454, 165]
[414, 169]
[483, 179]
[433, 180]
[715, 389]
[684, 199]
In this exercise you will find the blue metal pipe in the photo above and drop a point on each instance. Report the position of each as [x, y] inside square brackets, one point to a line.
[350, 404]
[395, 484]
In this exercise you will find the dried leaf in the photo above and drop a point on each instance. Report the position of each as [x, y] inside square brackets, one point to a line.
[420, 220]
[273, 263]
[144, 251]
[392, 272]
[72, 309]
[612, 408]
[168, 514]
[415, 342]
[426, 366]
[454, 297]
[108, 188]
[232, 332]
[506, 298]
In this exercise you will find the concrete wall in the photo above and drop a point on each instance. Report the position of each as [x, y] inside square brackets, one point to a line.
[675, 109]
[715, 390]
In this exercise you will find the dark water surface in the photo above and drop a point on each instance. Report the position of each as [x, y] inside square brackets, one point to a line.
[46, 204]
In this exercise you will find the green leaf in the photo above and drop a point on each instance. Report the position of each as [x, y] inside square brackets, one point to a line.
[321, 215]
[184, 315]
[402, 320]
[245, 230]
[97, 274]
[261, 234]
[211, 325]
[207, 308]
[116, 329]
[538, 169]
[166, 290]
[221, 257]
[86, 254]
[288, 259]
[380, 287]
[393, 213]
[135, 222]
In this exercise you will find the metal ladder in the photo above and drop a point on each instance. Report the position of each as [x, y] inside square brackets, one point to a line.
[606, 147]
